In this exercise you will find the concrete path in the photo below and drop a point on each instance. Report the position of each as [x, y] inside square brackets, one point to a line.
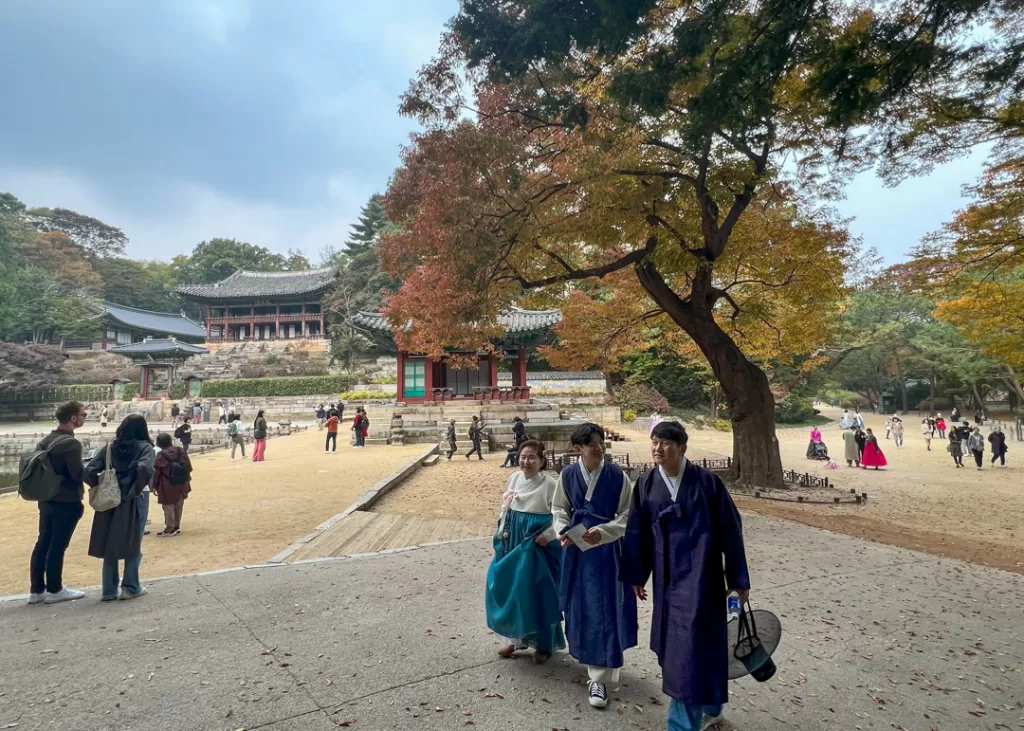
[876, 638]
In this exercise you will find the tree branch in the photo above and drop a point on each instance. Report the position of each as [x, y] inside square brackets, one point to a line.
[633, 257]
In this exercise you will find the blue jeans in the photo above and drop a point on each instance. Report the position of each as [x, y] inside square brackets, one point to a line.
[682, 717]
[130, 582]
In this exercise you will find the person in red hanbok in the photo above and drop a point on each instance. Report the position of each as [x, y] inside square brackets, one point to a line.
[873, 456]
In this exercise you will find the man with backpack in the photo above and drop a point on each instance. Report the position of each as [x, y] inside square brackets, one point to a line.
[184, 434]
[52, 476]
[236, 436]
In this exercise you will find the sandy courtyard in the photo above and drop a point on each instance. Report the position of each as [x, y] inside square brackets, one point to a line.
[238, 513]
[920, 501]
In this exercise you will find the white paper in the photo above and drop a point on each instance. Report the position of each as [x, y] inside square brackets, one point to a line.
[575, 534]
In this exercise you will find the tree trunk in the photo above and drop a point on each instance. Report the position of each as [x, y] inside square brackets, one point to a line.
[1014, 382]
[931, 392]
[902, 381]
[978, 402]
[756, 459]
[715, 394]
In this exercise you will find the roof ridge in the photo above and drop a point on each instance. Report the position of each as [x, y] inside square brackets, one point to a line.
[297, 272]
[139, 309]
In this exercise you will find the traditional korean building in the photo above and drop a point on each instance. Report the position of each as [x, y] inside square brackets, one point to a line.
[124, 325]
[421, 379]
[264, 305]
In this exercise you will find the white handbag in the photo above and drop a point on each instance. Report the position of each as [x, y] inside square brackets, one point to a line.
[106, 495]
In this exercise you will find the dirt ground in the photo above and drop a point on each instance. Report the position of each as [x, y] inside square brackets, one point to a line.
[238, 513]
[920, 501]
[462, 489]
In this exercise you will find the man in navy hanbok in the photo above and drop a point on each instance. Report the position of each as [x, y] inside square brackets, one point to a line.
[600, 610]
[682, 523]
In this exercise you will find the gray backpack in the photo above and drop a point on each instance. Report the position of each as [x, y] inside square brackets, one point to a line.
[37, 480]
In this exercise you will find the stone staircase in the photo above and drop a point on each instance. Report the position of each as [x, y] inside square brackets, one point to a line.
[225, 360]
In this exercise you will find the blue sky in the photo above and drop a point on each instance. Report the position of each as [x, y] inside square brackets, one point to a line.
[270, 122]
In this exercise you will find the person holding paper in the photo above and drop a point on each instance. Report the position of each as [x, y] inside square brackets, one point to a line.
[593, 496]
[521, 597]
[681, 524]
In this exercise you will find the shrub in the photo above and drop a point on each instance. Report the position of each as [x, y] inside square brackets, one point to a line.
[723, 425]
[301, 386]
[366, 396]
[131, 390]
[794, 410]
[640, 397]
[628, 415]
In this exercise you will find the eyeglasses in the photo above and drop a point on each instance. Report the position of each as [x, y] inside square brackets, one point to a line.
[81, 415]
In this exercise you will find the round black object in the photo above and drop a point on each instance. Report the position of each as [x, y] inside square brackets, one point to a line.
[753, 639]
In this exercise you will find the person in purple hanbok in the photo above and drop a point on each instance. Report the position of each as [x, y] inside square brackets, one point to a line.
[592, 498]
[681, 523]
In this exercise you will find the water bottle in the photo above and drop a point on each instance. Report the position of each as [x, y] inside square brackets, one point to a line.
[734, 606]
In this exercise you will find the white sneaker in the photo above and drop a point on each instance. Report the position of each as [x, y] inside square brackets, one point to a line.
[64, 595]
[710, 721]
[37, 598]
[126, 595]
[597, 693]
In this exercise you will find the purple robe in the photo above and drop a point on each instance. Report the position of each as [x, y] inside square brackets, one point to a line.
[600, 611]
[682, 542]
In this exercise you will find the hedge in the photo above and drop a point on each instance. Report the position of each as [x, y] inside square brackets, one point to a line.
[296, 386]
[60, 394]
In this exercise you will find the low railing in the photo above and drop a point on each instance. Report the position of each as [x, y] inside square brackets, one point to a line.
[264, 319]
[232, 339]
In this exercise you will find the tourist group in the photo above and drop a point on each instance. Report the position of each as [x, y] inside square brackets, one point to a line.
[331, 418]
[861, 447]
[582, 548]
[121, 476]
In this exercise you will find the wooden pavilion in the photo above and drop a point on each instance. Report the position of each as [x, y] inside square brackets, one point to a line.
[422, 380]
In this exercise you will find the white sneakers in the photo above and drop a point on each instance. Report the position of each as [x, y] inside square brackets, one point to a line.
[126, 595]
[597, 694]
[64, 595]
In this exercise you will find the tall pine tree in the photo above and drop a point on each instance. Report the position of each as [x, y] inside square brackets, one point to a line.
[361, 284]
[371, 222]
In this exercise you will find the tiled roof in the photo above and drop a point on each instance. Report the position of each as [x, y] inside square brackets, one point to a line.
[157, 346]
[158, 323]
[246, 284]
[513, 320]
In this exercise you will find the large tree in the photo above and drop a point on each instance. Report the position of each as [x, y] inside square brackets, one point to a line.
[95, 237]
[147, 285]
[650, 137]
[29, 366]
[362, 283]
[217, 259]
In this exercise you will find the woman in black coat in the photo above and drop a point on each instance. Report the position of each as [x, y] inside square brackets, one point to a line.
[117, 534]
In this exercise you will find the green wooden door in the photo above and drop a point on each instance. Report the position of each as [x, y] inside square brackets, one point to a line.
[415, 385]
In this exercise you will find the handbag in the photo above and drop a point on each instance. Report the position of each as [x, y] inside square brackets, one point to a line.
[107, 494]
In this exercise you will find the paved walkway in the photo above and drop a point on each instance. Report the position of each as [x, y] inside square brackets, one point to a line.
[877, 638]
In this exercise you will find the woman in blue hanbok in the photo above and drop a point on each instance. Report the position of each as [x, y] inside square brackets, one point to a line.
[522, 581]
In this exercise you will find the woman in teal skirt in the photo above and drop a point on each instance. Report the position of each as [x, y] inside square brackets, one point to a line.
[522, 581]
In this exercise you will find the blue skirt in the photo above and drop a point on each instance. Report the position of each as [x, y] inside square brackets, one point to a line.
[522, 584]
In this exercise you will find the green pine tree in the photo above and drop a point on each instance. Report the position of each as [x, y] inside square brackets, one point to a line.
[372, 221]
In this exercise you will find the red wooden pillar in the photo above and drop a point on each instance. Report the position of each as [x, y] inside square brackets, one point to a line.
[145, 382]
[208, 311]
[277, 321]
[519, 371]
[493, 376]
[252, 322]
[401, 375]
[428, 380]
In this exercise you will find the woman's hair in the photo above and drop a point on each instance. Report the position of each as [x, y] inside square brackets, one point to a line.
[259, 415]
[163, 440]
[133, 429]
[538, 449]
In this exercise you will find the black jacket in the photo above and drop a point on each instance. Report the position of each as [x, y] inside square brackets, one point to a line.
[66, 458]
[115, 533]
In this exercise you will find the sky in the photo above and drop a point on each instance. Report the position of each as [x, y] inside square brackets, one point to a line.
[269, 122]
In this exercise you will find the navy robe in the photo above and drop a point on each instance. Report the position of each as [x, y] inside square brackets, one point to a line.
[682, 542]
[600, 611]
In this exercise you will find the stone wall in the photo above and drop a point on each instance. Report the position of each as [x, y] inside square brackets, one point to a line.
[556, 382]
[152, 410]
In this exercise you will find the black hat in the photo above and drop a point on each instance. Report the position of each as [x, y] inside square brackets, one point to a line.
[753, 639]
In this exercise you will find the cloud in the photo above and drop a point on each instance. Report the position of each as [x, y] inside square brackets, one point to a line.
[190, 212]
